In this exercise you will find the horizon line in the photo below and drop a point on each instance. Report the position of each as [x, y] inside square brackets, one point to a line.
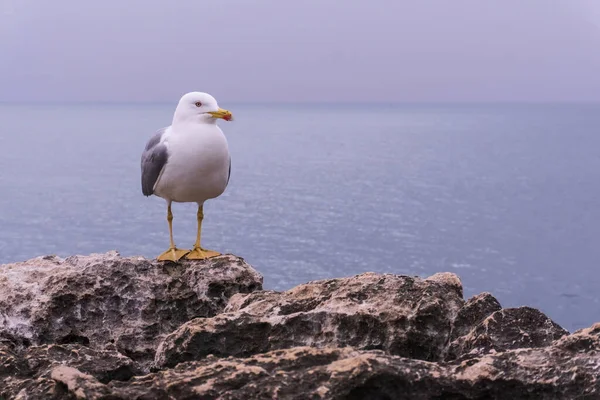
[306, 102]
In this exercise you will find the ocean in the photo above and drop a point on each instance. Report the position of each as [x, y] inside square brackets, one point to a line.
[507, 196]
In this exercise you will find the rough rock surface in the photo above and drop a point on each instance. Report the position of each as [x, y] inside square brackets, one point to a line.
[402, 315]
[553, 372]
[27, 371]
[87, 328]
[104, 298]
[510, 328]
[475, 310]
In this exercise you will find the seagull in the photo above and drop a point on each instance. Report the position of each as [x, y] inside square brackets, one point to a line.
[188, 162]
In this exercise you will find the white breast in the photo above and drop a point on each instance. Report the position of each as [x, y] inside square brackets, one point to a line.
[198, 164]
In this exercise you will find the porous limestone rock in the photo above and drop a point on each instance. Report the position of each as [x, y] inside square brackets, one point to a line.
[102, 299]
[89, 327]
[402, 315]
[28, 371]
[557, 371]
[509, 328]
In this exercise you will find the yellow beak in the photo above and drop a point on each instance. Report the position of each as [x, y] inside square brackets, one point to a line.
[223, 114]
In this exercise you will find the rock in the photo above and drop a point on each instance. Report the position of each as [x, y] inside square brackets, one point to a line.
[82, 386]
[9, 362]
[89, 327]
[406, 316]
[582, 341]
[104, 298]
[510, 328]
[547, 373]
[105, 365]
[28, 371]
[475, 310]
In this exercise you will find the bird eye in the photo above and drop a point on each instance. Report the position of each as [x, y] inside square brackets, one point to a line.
[198, 104]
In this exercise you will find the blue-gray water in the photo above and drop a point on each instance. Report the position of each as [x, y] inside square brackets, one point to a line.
[506, 196]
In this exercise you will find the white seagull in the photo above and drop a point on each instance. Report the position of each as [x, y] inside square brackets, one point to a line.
[187, 162]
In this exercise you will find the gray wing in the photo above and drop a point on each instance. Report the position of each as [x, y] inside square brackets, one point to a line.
[228, 173]
[154, 158]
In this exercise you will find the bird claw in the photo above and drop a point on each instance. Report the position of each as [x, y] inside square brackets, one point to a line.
[201, 254]
[173, 255]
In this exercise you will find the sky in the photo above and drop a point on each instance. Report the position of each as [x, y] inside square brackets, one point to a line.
[300, 51]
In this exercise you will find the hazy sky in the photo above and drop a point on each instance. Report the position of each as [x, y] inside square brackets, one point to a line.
[308, 50]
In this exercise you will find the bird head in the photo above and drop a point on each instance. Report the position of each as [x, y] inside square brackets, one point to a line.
[200, 107]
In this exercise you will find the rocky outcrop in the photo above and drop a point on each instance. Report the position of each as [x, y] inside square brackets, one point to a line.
[343, 373]
[511, 328]
[402, 315]
[28, 371]
[475, 310]
[89, 328]
[105, 299]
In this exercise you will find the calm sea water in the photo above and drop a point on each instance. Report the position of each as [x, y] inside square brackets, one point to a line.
[506, 196]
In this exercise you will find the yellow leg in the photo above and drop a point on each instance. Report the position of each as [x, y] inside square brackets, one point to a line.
[198, 253]
[173, 254]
